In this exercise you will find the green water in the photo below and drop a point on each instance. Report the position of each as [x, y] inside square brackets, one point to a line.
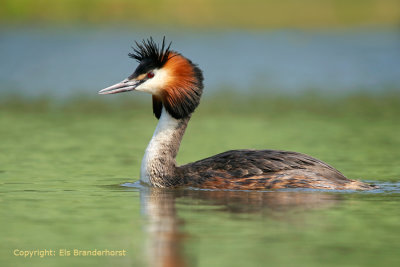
[67, 182]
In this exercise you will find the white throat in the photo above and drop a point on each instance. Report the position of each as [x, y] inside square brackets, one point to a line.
[160, 153]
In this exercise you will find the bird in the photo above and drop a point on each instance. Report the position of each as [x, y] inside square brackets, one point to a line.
[176, 86]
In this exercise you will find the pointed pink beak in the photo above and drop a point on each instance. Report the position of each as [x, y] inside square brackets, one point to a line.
[124, 86]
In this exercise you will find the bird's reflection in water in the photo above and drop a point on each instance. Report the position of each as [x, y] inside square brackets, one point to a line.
[165, 232]
[165, 243]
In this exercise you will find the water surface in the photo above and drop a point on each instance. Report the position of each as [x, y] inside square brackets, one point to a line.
[68, 173]
[64, 61]
[67, 182]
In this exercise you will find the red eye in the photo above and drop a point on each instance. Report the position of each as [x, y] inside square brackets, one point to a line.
[150, 75]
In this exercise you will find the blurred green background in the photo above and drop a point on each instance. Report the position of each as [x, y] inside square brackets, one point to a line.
[254, 14]
[318, 77]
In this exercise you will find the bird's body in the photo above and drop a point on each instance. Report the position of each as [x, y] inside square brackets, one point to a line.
[176, 86]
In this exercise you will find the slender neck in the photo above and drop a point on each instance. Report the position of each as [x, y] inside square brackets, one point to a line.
[159, 166]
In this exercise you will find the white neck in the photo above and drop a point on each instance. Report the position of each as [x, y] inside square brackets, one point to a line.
[158, 163]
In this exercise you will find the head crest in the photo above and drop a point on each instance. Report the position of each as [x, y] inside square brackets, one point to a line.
[149, 50]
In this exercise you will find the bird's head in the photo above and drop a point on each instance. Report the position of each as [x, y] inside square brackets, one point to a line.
[173, 80]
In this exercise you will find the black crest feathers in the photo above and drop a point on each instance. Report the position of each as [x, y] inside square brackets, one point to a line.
[149, 50]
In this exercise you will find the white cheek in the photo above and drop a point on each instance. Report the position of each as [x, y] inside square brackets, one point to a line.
[155, 84]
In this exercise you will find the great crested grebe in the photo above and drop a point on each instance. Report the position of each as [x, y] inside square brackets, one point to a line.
[176, 85]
